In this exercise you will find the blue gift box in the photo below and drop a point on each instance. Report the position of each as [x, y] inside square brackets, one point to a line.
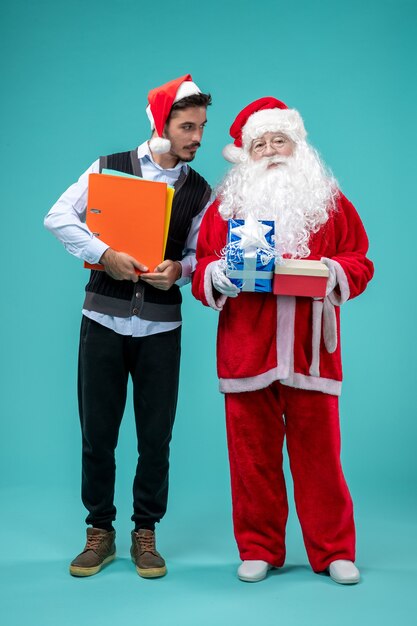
[250, 254]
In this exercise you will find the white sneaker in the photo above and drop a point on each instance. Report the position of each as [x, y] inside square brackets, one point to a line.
[253, 571]
[344, 572]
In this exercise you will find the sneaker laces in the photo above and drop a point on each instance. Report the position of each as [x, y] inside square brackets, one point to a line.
[146, 542]
[93, 542]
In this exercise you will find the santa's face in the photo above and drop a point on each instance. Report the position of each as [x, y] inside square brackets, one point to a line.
[270, 145]
[185, 132]
[280, 181]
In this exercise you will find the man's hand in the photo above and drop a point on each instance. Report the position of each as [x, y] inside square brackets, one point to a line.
[121, 266]
[164, 275]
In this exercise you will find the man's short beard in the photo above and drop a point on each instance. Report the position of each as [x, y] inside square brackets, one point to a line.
[187, 159]
[184, 160]
[298, 193]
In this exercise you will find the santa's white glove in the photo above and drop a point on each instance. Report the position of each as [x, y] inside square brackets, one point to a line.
[220, 281]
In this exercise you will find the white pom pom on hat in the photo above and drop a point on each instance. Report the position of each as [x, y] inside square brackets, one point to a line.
[259, 117]
[160, 101]
[160, 145]
[232, 153]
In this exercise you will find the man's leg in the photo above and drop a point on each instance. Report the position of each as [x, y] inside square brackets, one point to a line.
[102, 385]
[154, 366]
[322, 498]
[255, 434]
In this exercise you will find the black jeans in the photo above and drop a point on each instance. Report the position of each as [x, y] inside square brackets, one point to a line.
[105, 361]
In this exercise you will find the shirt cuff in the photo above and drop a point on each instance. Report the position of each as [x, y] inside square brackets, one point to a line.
[94, 250]
[185, 277]
[186, 268]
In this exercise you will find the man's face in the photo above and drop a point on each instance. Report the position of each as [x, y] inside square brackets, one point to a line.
[185, 131]
[271, 145]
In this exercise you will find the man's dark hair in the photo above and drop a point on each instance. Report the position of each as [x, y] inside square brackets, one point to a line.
[196, 100]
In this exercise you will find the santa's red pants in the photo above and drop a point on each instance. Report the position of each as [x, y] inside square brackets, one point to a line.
[257, 422]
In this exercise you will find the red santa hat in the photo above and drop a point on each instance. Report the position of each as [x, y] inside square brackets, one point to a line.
[259, 117]
[160, 101]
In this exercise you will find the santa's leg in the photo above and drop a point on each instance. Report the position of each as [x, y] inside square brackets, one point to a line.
[322, 498]
[255, 434]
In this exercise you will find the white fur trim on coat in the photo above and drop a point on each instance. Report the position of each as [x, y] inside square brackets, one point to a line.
[329, 326]
[252, 383]
[284, 372]
[334, 297]
[218, 304]
[285, 350]
[341, 281]
[312, 383]
[316, 337]
[298, 381]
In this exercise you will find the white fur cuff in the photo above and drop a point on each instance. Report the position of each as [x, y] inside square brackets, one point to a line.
[341, 282]
[218, 304]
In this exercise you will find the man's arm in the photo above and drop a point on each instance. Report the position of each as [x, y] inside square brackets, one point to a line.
[66, 220]
[189, 262]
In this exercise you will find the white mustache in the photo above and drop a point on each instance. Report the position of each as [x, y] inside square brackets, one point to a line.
[265, 162]
[276, 159]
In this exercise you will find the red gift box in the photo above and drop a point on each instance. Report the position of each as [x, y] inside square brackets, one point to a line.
[299, 277]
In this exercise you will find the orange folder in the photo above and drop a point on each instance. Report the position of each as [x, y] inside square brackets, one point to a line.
[130, 215]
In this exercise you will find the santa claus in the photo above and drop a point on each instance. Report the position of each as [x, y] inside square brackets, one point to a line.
[278, 357]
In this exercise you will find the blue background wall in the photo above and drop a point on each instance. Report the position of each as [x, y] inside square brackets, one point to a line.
[75, 79]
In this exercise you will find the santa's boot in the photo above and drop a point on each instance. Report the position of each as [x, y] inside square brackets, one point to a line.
[253, 571]
[344, 572]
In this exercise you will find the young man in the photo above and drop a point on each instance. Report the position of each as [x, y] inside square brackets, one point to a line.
[278, 357]
[132, 326]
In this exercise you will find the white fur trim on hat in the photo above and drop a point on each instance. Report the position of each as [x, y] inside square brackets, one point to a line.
[187, 88]
[287, 121]
[232, 153]
[150, 116]
[159, 145]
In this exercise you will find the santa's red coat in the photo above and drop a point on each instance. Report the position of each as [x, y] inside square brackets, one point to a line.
[263, 337]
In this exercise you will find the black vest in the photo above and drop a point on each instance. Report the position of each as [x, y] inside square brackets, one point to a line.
[123, 298]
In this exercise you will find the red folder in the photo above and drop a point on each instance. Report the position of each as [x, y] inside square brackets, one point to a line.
[129, 215]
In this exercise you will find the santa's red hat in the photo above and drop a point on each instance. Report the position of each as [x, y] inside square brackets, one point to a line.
[160, 101]
[259, 117]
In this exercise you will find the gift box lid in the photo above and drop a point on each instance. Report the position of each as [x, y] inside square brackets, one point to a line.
[302, 267]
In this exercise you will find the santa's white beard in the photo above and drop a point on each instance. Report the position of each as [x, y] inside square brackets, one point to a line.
[298, 194]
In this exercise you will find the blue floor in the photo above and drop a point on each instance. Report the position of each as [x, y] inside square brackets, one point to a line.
[201, 588]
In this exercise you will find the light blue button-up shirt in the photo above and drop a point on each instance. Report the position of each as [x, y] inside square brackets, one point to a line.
[66, 220]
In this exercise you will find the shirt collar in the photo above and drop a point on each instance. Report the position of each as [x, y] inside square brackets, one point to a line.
[145, 153]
